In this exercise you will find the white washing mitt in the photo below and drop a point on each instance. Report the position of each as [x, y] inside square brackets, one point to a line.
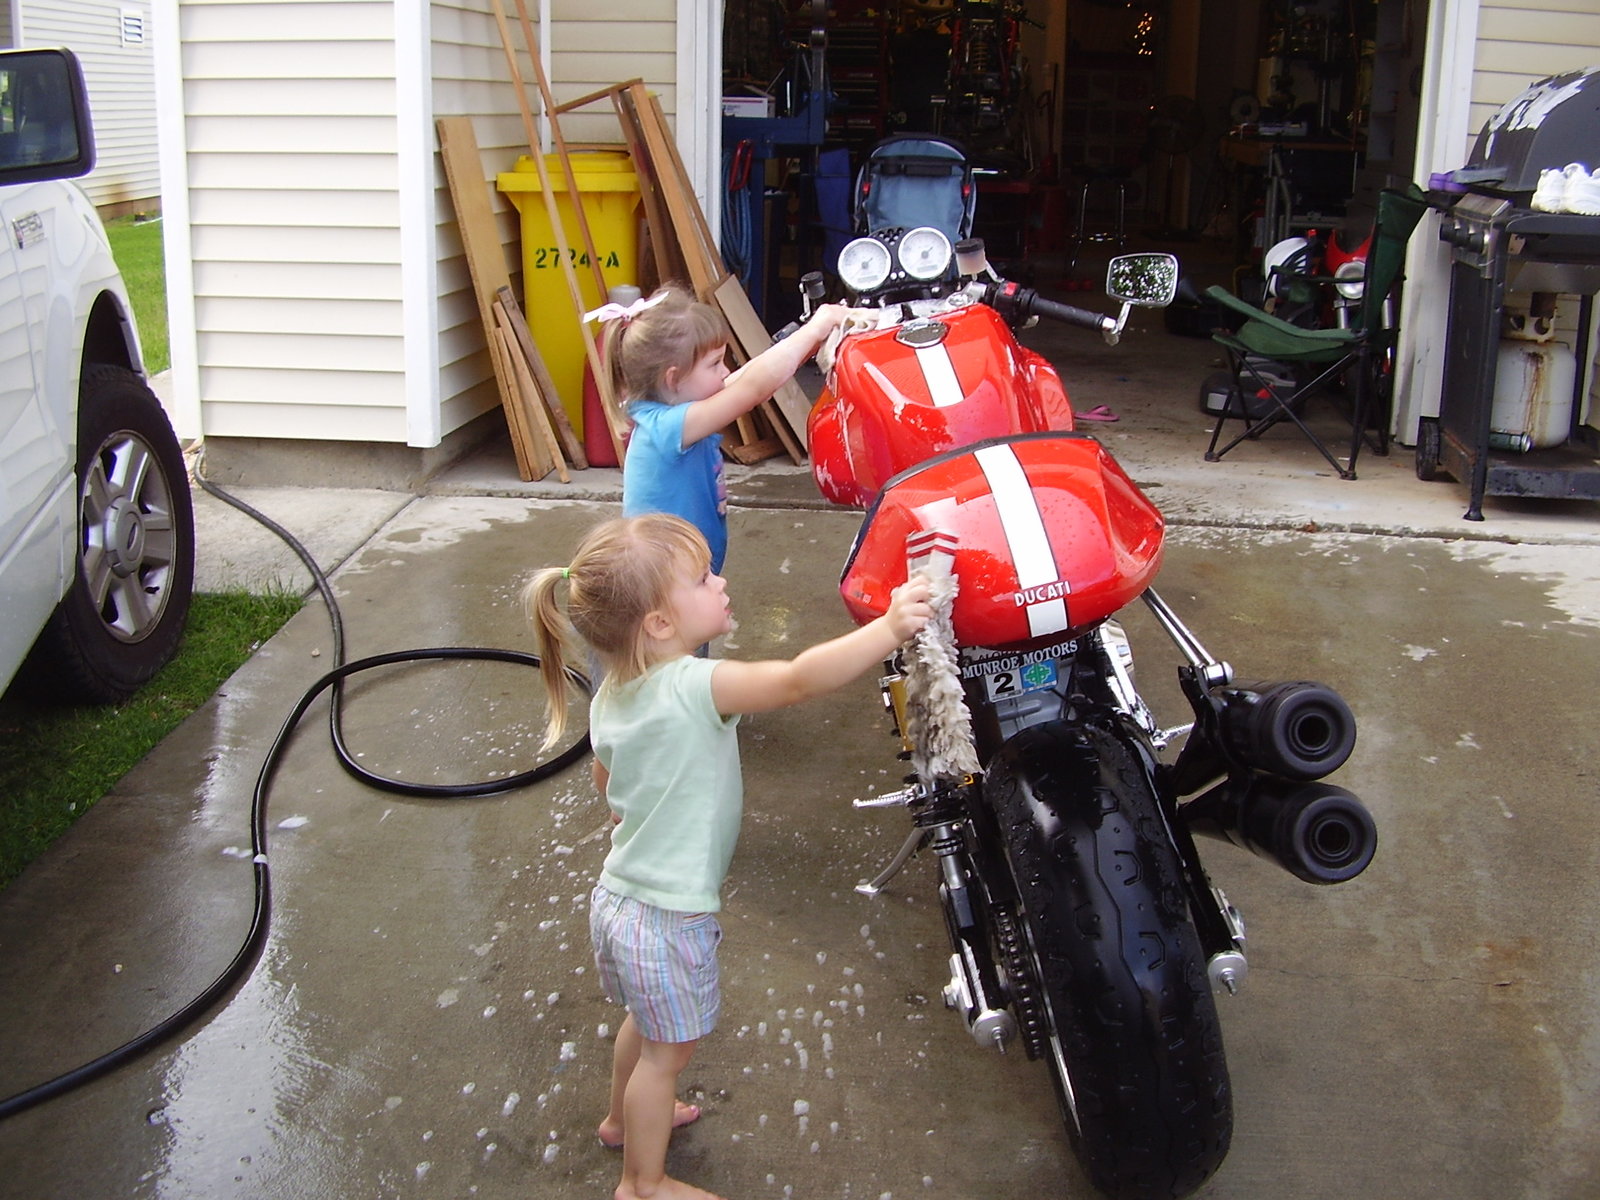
[938, 722]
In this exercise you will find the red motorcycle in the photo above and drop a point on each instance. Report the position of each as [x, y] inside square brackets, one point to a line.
[1061, 814]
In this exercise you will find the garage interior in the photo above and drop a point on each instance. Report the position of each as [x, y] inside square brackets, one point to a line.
[1218, 127]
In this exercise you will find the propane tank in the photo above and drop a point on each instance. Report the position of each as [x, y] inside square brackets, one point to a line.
[1533, 383]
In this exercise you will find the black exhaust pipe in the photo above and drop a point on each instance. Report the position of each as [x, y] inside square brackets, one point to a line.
[1316, 831]
[1298, 730]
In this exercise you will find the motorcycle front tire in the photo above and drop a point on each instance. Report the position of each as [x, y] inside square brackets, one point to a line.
[1135, 1046]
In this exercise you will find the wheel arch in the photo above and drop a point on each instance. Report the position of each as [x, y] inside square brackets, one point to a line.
[109, 337]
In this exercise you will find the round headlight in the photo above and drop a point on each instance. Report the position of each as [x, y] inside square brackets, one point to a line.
[925, 253]
[864, 264]
[1350, 279]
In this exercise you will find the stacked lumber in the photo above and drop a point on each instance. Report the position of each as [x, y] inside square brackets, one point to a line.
[541, 435]
[681, 247]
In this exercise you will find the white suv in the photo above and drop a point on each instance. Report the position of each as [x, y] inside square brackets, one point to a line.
[96, 521]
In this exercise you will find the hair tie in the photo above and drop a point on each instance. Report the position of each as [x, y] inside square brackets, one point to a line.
[624, 312]
[566, 572]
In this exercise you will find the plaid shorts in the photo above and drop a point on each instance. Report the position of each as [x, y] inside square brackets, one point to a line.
[661, 965]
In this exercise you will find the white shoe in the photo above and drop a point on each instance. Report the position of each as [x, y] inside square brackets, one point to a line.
[1551, 193]
[1583, 195]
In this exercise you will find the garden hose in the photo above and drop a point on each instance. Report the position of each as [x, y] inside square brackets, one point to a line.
[249, 952]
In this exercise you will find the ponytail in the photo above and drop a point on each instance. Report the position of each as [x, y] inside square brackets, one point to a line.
[558, 645]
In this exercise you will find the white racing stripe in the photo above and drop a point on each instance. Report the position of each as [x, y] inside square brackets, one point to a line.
[940, 375]
[1025, 536]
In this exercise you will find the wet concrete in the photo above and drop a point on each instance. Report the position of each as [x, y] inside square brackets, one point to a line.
[425, 1022]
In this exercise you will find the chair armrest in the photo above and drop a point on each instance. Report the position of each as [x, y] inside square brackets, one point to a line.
[1250, 312]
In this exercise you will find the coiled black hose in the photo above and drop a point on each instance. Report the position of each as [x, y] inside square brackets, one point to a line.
[249, 952]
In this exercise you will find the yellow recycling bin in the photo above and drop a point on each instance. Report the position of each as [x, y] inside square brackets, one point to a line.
[610, 192]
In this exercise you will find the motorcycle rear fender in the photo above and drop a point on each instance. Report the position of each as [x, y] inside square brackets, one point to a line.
[1051, 537]
[889, 405]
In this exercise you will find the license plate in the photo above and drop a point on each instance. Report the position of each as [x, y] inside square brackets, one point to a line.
[1005, 682]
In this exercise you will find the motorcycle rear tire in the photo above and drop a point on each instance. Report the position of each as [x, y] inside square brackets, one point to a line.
[1135, 1044]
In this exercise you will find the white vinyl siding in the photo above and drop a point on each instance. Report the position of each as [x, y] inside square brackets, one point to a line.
[294, 230]
[122, 95]
[1520, 41]
[316, 237]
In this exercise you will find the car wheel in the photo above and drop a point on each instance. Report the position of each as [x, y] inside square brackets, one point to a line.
[125, 612]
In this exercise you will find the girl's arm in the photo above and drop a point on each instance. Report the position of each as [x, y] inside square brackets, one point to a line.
[761, 376]
[747, 687]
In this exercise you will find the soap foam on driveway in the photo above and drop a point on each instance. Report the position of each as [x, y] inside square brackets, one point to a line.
[425, 1020]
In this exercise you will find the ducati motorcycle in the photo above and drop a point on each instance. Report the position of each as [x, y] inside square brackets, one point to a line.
[1062, 816]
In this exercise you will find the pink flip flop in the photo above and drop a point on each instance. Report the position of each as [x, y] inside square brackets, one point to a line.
[1098, 413]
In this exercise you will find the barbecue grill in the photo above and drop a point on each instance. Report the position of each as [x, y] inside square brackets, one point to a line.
[1500, 243]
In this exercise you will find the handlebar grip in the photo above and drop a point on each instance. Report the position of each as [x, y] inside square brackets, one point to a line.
[1067, 314]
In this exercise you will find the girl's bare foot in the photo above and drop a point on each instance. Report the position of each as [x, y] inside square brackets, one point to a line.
[669, 1189]
[682, 1114]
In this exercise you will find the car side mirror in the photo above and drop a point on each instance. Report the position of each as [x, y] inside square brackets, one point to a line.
[44, 117]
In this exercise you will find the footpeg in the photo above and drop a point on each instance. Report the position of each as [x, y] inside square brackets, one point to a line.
[897, 799]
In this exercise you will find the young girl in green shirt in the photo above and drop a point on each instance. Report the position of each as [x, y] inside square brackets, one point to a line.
[642, 596]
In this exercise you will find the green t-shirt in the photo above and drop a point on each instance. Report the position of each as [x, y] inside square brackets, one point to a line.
[675, 782]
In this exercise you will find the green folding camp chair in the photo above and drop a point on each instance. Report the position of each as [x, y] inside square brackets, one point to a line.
[1359, 356]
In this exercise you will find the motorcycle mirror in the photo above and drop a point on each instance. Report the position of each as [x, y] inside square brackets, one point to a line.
[1143, 280]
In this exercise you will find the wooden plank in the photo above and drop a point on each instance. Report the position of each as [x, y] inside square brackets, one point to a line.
[789, 407]
[682, 207]
[544, 437]
[701, 239]
[517, 324]
[480, 239]
[756, 451]
[528, 466]
[569, 273]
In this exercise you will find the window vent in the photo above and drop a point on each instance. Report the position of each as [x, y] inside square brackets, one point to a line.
[132, 27]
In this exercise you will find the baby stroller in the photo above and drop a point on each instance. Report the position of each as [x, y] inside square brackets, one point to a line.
[916, 179]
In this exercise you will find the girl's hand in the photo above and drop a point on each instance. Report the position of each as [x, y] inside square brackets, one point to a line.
[828, 318]
[909, 609]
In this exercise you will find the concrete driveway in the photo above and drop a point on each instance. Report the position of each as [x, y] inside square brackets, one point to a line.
[424, 1021]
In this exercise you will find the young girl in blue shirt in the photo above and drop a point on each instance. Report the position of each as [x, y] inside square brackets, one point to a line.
[668, 360]
[641, 596]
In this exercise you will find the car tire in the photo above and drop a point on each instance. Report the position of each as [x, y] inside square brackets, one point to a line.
[125, 612]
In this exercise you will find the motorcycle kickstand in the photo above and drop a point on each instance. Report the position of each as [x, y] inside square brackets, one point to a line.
[915, 840]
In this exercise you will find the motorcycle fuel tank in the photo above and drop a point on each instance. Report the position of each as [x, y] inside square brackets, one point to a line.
[901, 395]
[1050, 536]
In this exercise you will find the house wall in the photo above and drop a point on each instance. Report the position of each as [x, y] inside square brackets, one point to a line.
[310, 227]
[114, 42]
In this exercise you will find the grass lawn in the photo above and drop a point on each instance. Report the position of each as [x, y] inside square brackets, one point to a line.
[55, 762]
[136, 245]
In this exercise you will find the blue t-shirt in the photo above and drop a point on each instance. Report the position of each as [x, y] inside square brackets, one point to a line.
[661, 474]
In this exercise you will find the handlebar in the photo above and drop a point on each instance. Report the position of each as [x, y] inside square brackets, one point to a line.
[1017, 304]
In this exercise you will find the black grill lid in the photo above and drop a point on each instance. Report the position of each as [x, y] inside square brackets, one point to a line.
[1552, 123]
